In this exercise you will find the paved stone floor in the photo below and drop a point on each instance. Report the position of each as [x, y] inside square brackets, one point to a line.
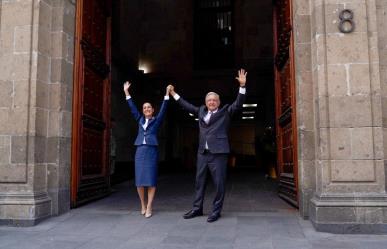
[253, 217]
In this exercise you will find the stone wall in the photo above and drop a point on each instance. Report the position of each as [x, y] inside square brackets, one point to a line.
[381, 8]
[36, 46]
[304, 102]
[350, 174]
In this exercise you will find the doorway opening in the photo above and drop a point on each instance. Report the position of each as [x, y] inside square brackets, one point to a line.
[198, 46]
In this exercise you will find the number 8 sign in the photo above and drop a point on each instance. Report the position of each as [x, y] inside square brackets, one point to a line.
[346, 25]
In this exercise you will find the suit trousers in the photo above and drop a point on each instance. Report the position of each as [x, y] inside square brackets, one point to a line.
[217, 165]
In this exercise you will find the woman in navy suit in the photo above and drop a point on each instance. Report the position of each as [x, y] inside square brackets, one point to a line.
[146, 157]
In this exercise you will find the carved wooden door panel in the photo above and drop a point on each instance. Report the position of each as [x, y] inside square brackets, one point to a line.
[285, 101]
[91, 115]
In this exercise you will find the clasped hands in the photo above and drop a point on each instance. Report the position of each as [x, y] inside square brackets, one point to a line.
[241, 78]
[170, 90]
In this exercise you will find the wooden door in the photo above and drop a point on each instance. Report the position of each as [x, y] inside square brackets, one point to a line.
[285, 101]
[91, 107]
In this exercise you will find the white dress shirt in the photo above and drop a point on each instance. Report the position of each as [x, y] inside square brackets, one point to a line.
[242, 90]
[207, 120]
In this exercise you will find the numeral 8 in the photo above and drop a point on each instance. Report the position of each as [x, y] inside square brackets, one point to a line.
[346, 25]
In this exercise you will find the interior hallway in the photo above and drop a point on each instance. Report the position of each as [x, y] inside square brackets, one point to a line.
[253, 217]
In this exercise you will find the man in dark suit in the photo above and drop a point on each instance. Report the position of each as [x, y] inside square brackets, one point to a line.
[214, 147]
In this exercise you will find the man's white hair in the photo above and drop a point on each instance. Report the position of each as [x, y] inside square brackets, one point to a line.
[212, 93]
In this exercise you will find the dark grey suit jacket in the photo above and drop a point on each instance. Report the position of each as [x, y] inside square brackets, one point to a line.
[216, 131]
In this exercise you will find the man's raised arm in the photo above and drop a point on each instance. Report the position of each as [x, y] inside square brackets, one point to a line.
[238, 103]
[183, 103]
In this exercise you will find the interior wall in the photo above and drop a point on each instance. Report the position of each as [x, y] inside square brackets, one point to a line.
[157, 36]
[125, 56]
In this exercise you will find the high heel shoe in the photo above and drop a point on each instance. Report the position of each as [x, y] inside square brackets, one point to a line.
[148, 214]
[143, 211]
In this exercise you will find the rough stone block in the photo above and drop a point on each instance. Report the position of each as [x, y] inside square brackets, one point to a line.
[41, 122]
[365, 22]
[322, 111]
[306, 145]
[385, 141]
[57, 19]
[69, 99]
[336, 214]
[302, 7]
[44, 43]
[69, 18]
[19, 149]
[302, 29]
[383, 78]
[45, 11]
[57, 70]
[378, 142]
[64, 200]
[65, 152]
[307, 174]
[42, 95]
[15, 67]
[52, 150]
[377, 111]
[64, 176]
[24, 93]
[15, 173]
[353, 171]
[18, 121]
[59, 45]
[57, 96]
[5, 149]
[320, 77]
[6, 91]
[40, 149]
[359, 78]
[43, 68]
[340, 143]
[70, 51]
[52, 178]
[6, 41]
[303, 60]
[350, 111]
[17, 13]
[23, 42]
[351, 48]
[323, 148]
[54, 123]
[362, 143]
[337, 80]
[66, 124]
[40, 177]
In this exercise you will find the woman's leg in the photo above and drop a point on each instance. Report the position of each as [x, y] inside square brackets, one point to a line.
[141, 194]
[151, 195]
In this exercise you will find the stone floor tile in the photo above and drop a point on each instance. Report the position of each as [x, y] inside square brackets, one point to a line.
[253, 217]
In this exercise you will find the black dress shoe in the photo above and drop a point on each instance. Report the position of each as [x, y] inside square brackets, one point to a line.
[192, 214]
[213, 218]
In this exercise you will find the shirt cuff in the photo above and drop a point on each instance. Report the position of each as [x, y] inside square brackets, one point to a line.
[166, 97]
[242, 90]
[128, 97]
[176, 97]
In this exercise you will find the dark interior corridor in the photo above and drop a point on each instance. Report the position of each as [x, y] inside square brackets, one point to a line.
[157, 43]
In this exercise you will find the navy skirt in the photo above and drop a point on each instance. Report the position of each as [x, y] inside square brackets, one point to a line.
[145, 163]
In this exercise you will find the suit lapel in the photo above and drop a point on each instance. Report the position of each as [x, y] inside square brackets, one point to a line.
[142, 122]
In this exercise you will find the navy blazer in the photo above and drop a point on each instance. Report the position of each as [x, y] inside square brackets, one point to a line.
[216, 131]
[150, 133]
